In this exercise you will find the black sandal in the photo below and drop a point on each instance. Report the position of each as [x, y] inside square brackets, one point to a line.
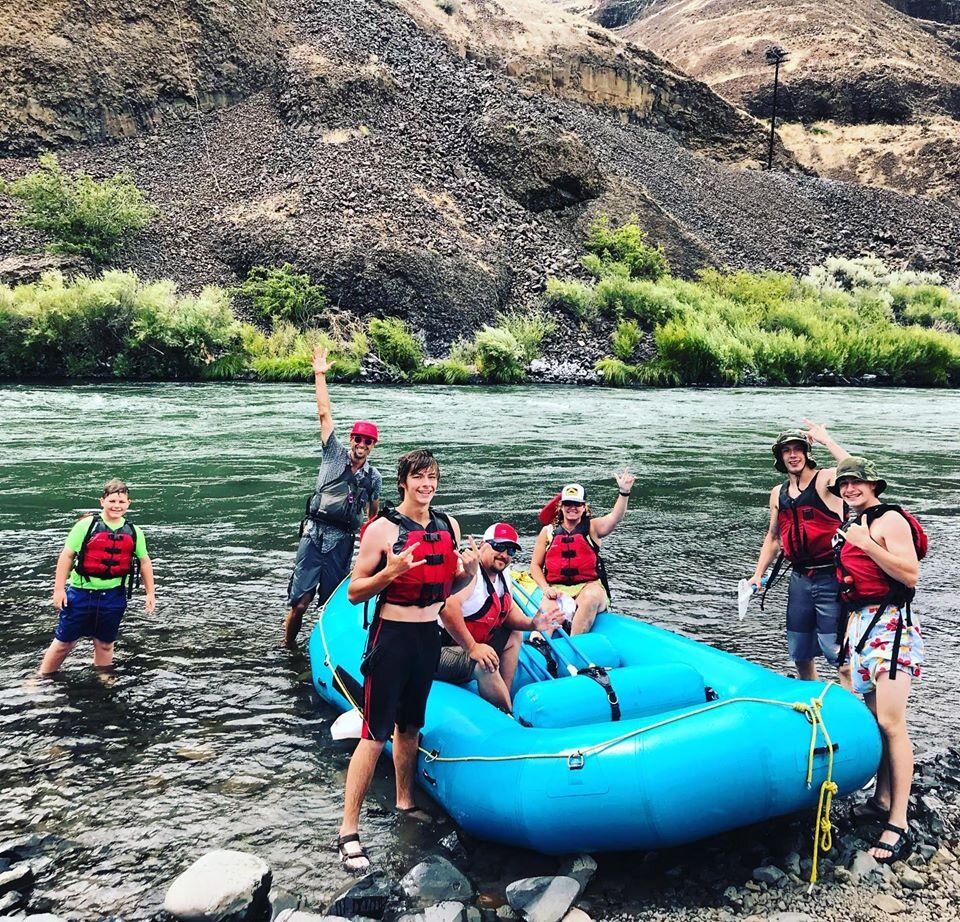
[869, 811]
[899, 850]
[417, 814]
[359, 855]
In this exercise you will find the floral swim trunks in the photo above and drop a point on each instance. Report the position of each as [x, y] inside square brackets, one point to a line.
[877, 653]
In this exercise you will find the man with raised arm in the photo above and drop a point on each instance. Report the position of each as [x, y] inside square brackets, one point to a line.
[408, 558]
[804, 517]
[347, 490]
[566, 557]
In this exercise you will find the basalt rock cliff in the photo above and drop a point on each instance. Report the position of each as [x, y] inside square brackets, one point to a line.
[434, 166]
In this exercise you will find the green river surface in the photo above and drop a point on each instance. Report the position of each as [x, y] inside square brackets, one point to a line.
[209, 735]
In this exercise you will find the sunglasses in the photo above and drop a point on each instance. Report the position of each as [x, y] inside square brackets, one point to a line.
[503, 547]
[571, 503]
[363, 440]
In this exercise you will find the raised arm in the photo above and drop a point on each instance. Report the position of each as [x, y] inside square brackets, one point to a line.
[602, 526]
[817, 433]
[771, 540]
[321, 366]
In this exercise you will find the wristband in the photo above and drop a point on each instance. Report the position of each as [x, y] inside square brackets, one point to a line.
[624, 494]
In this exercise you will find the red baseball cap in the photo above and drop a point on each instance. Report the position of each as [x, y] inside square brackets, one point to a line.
[501, 531]
[362, 427]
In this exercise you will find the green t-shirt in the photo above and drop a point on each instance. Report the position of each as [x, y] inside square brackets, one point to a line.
[75, 541]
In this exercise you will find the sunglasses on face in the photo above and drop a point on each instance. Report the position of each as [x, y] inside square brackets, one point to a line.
[362, 440]
[571, 503]
[503, 547]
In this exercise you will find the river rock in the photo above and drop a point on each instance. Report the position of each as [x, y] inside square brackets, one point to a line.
[365, 897]
[769, 874]
[447, 911]
[436, 879]
[19, 877]
[863, 865]
[790, 917]
[10, 900]
[543, 899]
[888, 904]
[581, 869]
[296, 915]
[577, 915]
[219, 886]
[910, 879]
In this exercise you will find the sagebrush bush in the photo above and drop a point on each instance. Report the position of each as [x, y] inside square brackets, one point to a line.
[395, 344]
[625, 339]
[499, 357]
[446, 371]
[616, 372]
[79, 214]
[528, 328]
[627, 246]
[280, 294]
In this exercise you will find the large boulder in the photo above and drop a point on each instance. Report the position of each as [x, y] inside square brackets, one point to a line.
[221, 886]
[366, 897]
[543, 899]
[538, 165]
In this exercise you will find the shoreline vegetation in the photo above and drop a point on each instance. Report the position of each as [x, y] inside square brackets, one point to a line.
[847, 321]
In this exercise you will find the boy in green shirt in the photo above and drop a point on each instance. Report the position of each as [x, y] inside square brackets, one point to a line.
[99, 557]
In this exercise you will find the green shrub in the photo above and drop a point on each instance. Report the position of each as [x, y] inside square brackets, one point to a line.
[615, 373]
[279, 294]
[463, 351]
[625, 245]
[657, 373]
[528, 328]
[499, 357]
[625, 339]
[767, 289]
[702, 351]
[446, 371]
[286, 353]
[79, 214]
[649, 302]
[575, 298]
[394, 344]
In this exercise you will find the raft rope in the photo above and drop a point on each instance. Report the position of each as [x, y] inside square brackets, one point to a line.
[813, 711]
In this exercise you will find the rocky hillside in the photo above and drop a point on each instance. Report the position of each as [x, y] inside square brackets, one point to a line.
[852, 64]
[409, 160]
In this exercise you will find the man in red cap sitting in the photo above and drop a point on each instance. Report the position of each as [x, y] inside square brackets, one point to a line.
[346, 492]
[482, 626]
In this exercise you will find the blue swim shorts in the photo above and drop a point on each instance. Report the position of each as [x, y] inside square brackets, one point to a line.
[91, 613]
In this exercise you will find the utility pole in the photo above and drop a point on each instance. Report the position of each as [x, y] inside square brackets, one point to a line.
[775, 57]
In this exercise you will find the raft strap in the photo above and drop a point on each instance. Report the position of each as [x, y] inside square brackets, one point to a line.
[544, 649]
[600, 676]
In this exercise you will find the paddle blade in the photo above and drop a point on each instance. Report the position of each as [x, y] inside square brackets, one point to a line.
[348, 726]
[745, 592]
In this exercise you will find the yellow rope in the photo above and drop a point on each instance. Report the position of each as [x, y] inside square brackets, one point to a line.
[823, 828]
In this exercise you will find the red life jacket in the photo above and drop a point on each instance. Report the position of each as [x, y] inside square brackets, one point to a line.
[433, 581]
[807, 526]
[862, 580]
[107, 553]
[482, 623]
[572, 556]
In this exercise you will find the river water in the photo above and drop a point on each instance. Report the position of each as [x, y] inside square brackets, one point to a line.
[209, 735]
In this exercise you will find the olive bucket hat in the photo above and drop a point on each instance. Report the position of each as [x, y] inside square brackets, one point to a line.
[784, 439]
[857, 469]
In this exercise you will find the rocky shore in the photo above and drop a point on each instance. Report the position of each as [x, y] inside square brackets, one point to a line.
[758, 873]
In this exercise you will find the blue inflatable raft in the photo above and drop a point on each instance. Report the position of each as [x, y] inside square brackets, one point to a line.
[686, 742]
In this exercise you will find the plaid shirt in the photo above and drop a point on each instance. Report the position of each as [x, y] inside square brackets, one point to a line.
[336, 458]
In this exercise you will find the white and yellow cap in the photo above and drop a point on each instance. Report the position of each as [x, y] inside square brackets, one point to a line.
[573, 493]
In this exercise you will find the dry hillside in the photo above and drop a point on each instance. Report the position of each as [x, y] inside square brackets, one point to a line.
[852, 65]
[416, 163]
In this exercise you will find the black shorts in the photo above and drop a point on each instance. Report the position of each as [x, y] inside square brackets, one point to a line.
[398, 667]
